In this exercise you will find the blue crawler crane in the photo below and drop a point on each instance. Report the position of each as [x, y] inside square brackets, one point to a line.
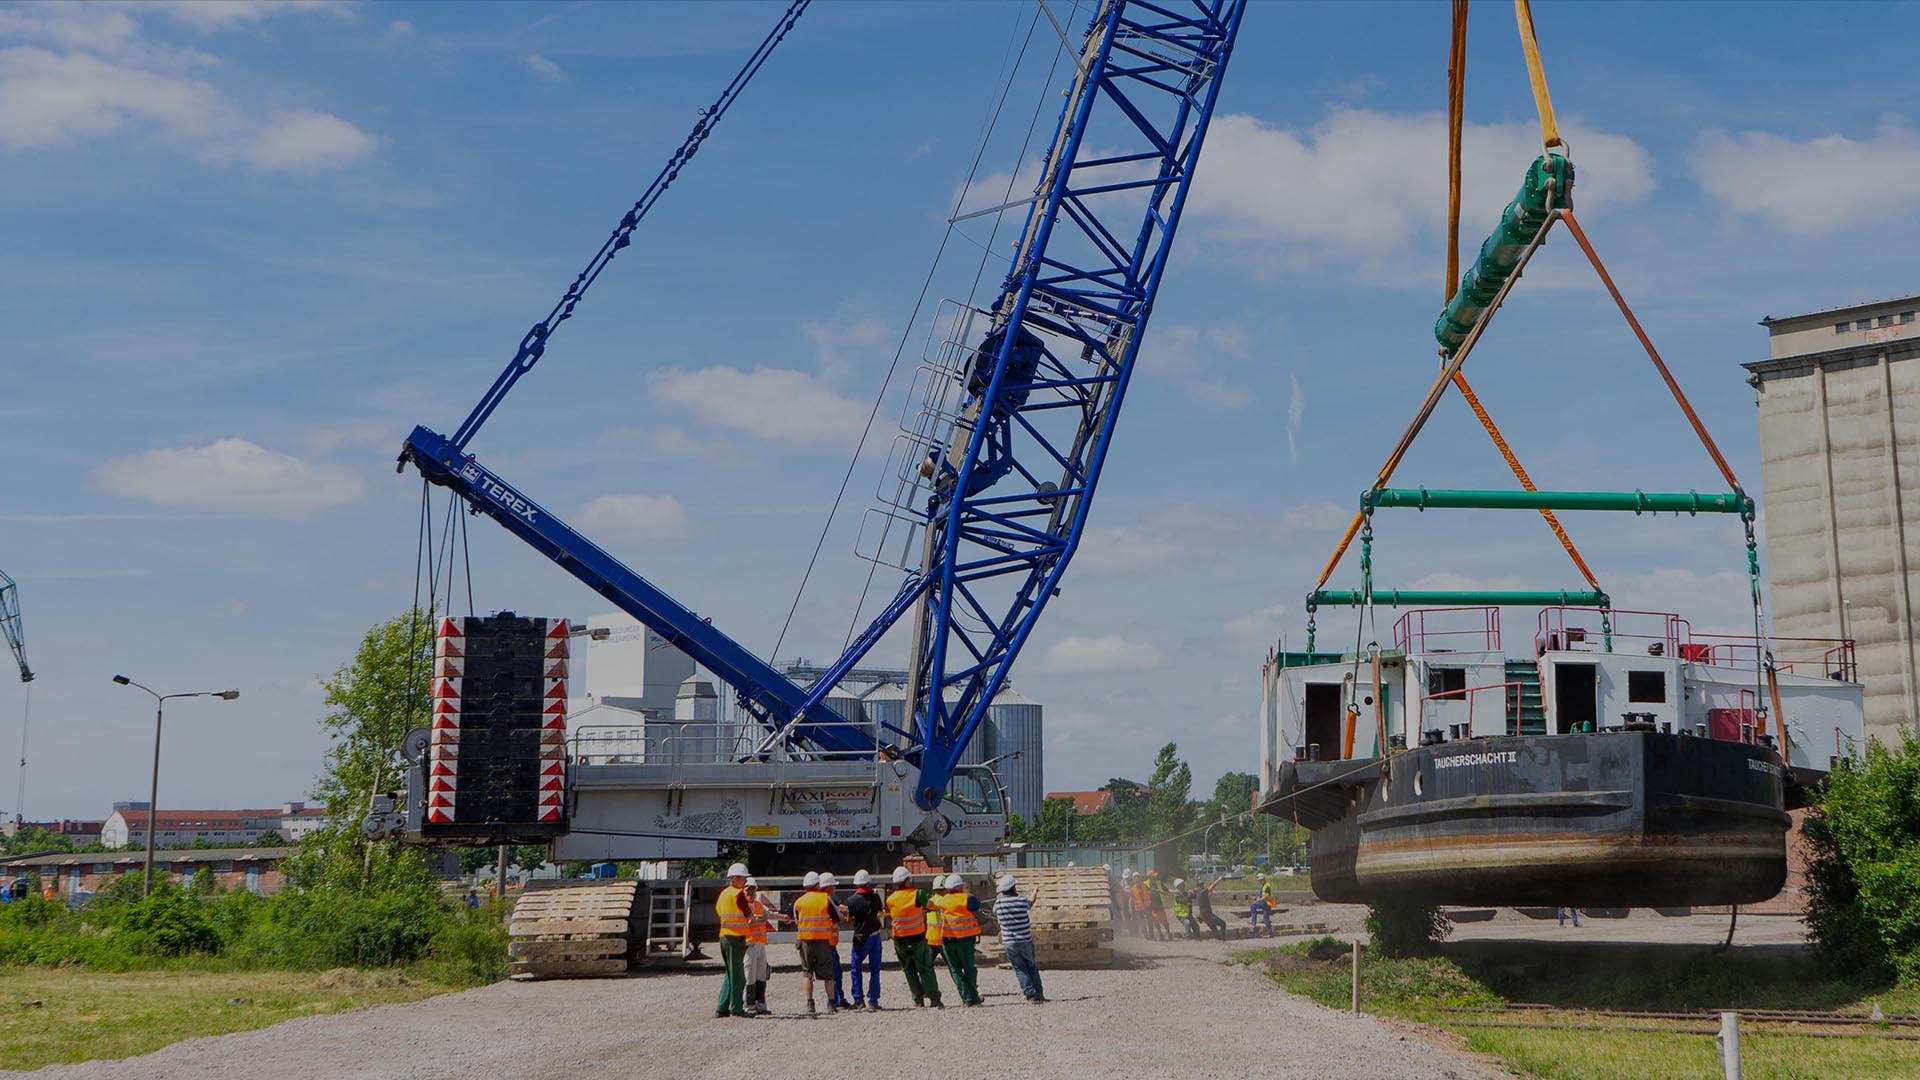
[1002, 493]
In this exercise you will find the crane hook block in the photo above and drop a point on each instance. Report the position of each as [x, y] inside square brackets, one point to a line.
[1548, 187]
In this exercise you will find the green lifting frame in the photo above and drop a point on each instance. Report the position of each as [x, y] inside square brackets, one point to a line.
[1457, 597]
[1639, 502]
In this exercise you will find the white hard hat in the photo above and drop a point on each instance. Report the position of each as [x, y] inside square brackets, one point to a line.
[861, 877]
[1007, 883]
[752, 884]
[828, 881]
[811, 880]
[900, 874]
[954, 882]
[738, 869]
[1179, 881]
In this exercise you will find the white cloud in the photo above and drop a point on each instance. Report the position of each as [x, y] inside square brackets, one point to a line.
[1256, 629]
[845, 343]
[302, 140]
[1109, 653]
[1317, 516]
[646, 515]
[1296, 415]
[231, 474]
[1814, 186]
[48, 99]
[1362, 190]
[1128, 547]
[1191, 357]
[542, 67]
[218, 14]
[104, 81]
[769, 403]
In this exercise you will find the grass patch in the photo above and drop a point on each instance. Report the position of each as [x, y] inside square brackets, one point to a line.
[1580, 976]
[85, 1015]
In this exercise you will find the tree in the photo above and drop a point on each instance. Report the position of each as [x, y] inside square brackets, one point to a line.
[36, 841]
[270, 838]
[1168, 812]
[371, 703]
[1233, 792]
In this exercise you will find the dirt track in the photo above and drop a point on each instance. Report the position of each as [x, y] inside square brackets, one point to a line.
[1178, 1011]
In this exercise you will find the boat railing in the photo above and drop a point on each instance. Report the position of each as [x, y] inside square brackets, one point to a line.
[1820, 658]
[1448, 629]
[1510, 703]
[1658, 633]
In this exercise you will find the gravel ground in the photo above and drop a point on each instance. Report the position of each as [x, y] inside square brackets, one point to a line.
[1176, 1010]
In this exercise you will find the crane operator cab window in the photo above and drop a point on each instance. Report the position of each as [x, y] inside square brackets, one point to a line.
[975, 791]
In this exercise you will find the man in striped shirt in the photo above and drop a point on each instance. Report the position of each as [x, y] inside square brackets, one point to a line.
[1014, 913]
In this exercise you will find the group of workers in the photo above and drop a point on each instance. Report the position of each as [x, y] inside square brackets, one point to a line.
[1141, 903]
[941, 921]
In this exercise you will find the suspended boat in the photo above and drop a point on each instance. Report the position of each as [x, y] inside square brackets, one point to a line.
[1623, 760]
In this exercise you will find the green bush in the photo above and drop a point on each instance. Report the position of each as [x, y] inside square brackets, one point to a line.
[472, 949]
[1398, 928]
[169, 922]
[1863, 869]
[32, 910]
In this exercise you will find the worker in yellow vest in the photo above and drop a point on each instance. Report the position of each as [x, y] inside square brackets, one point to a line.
[908, 917]
[817, 920]
[736, 922]
[959, 931]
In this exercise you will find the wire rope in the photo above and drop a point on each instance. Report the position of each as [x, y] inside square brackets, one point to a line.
[900, 348]
[986, 250]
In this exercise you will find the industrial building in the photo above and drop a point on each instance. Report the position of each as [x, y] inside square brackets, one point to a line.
[645, 700]
[179, 828]
[1839, 401]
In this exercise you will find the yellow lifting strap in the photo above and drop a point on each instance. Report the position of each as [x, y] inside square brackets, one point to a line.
[1456, 109]
[1549, 129]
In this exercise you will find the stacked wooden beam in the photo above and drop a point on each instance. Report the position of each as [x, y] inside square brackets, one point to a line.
[578, 929]
[1072, 914]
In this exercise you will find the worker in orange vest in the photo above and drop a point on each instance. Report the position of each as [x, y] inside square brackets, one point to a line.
[1142, 905]
[817, 920]
[909, 919]
[736, 926]
[959, 931]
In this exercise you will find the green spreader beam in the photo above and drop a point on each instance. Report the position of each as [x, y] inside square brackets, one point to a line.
[1458, 598]
[1639, 502]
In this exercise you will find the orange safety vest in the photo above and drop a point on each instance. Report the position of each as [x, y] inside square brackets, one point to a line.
[733, 921]
[956, 919]
[757, 924]
[814, 914]
[908, 917]
[1140, 899]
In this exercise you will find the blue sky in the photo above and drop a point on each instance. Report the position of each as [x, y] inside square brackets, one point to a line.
[247, 247]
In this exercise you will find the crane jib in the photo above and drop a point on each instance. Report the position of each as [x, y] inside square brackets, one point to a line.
[763, 691]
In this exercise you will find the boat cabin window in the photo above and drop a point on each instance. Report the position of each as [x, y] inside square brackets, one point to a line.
[1648, 687]
[1576, 698]
[1323, 720]
[1446, 680]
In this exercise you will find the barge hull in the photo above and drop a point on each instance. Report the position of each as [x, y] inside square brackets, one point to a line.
[1618, 819]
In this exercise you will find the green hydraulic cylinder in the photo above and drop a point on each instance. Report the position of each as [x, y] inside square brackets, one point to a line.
[1639, 502]
[1458, 598]
[1548, 187]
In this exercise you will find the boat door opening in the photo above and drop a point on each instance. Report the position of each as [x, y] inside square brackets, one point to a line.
[1324, 715]
[1576, 698]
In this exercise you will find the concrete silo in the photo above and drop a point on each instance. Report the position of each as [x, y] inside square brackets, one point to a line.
[886, 706]
[1014, 720]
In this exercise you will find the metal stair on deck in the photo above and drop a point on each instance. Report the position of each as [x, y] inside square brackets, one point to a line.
[1531, 706]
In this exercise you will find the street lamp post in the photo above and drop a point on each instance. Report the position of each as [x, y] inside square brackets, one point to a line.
[153, 789]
